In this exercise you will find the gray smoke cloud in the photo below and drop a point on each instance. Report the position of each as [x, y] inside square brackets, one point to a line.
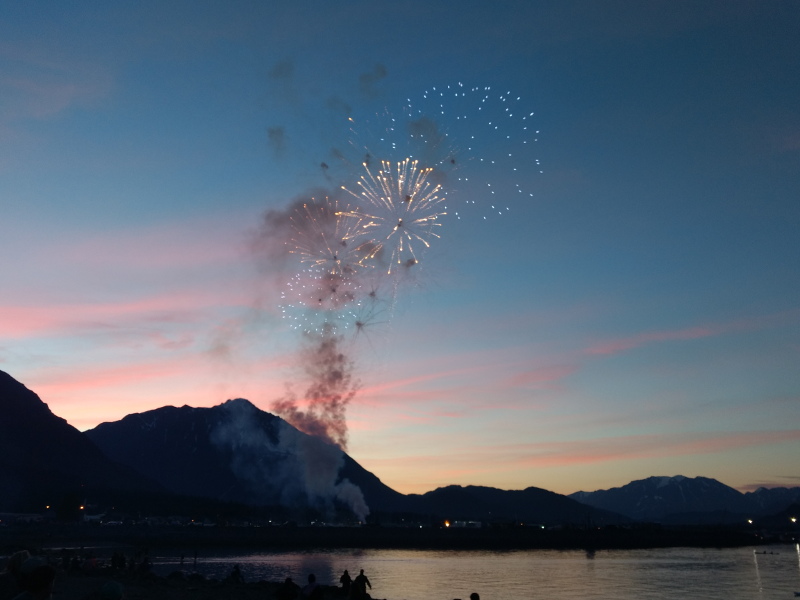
[276, 138]
[331, 387]
[283, 465]
[367, 81]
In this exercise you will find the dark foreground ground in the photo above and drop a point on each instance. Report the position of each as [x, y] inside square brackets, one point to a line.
[70, 586]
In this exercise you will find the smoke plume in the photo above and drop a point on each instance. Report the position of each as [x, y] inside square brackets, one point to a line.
[331, 387]
[283, 466]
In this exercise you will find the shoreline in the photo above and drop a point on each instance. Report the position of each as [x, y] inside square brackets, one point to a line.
[58, 535]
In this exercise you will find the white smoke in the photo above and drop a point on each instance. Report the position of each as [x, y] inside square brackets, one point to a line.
[283, 465]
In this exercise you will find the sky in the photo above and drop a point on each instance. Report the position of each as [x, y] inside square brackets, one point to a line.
[612, 294]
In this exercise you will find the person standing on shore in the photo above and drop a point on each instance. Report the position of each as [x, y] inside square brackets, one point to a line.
[346, 581]
[360, 584]
[312, 591]
[288, 590]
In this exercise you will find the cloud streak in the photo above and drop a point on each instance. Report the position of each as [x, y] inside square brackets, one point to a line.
[619, 345]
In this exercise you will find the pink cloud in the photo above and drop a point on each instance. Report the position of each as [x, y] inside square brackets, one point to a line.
[539, 377]
[412, 381]
[622, 344]
[618, 345]
[118, 376]
[182, 307]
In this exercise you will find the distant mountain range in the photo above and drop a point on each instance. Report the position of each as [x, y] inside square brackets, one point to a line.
[237, 455]
[696, 500]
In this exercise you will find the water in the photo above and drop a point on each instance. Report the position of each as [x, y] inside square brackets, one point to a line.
[724, 574]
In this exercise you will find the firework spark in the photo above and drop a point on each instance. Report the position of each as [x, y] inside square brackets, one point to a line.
[399, 210]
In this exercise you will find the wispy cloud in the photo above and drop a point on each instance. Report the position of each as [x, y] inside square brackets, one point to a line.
[602, 450]
[621, 344]
[547, 376]
[39, 83]
[617, 345]
[21, 322]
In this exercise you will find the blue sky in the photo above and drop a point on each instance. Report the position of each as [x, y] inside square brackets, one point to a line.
[633, 312]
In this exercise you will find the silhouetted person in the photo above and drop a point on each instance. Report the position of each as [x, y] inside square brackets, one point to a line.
[360, 584]
[312, 591]
[474, 596]
[346, 582]
[288, 590]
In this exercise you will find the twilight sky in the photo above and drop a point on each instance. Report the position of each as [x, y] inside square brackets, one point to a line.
[619, 298]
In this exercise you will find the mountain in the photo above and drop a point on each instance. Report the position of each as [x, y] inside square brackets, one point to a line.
[530, 506]
[45, 461]
[236, 452]
[767, 501]
[682, 499]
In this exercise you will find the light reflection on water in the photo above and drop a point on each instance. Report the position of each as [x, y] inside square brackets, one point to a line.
[710, 574]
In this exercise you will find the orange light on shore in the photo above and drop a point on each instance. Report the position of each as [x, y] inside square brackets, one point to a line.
[447, 523]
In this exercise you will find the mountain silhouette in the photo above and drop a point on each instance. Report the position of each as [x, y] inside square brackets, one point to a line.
[238, 453]
[529, 506]
[44, 461]
[680, 499]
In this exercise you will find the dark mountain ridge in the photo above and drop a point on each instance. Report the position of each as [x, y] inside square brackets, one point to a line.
[43, 458]
[236, 452]
[680, 499]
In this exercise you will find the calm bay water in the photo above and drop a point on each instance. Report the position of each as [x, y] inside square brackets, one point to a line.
[725, 574]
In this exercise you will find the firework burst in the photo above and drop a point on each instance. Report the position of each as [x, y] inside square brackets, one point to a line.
[482, 141]
[399, 211]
